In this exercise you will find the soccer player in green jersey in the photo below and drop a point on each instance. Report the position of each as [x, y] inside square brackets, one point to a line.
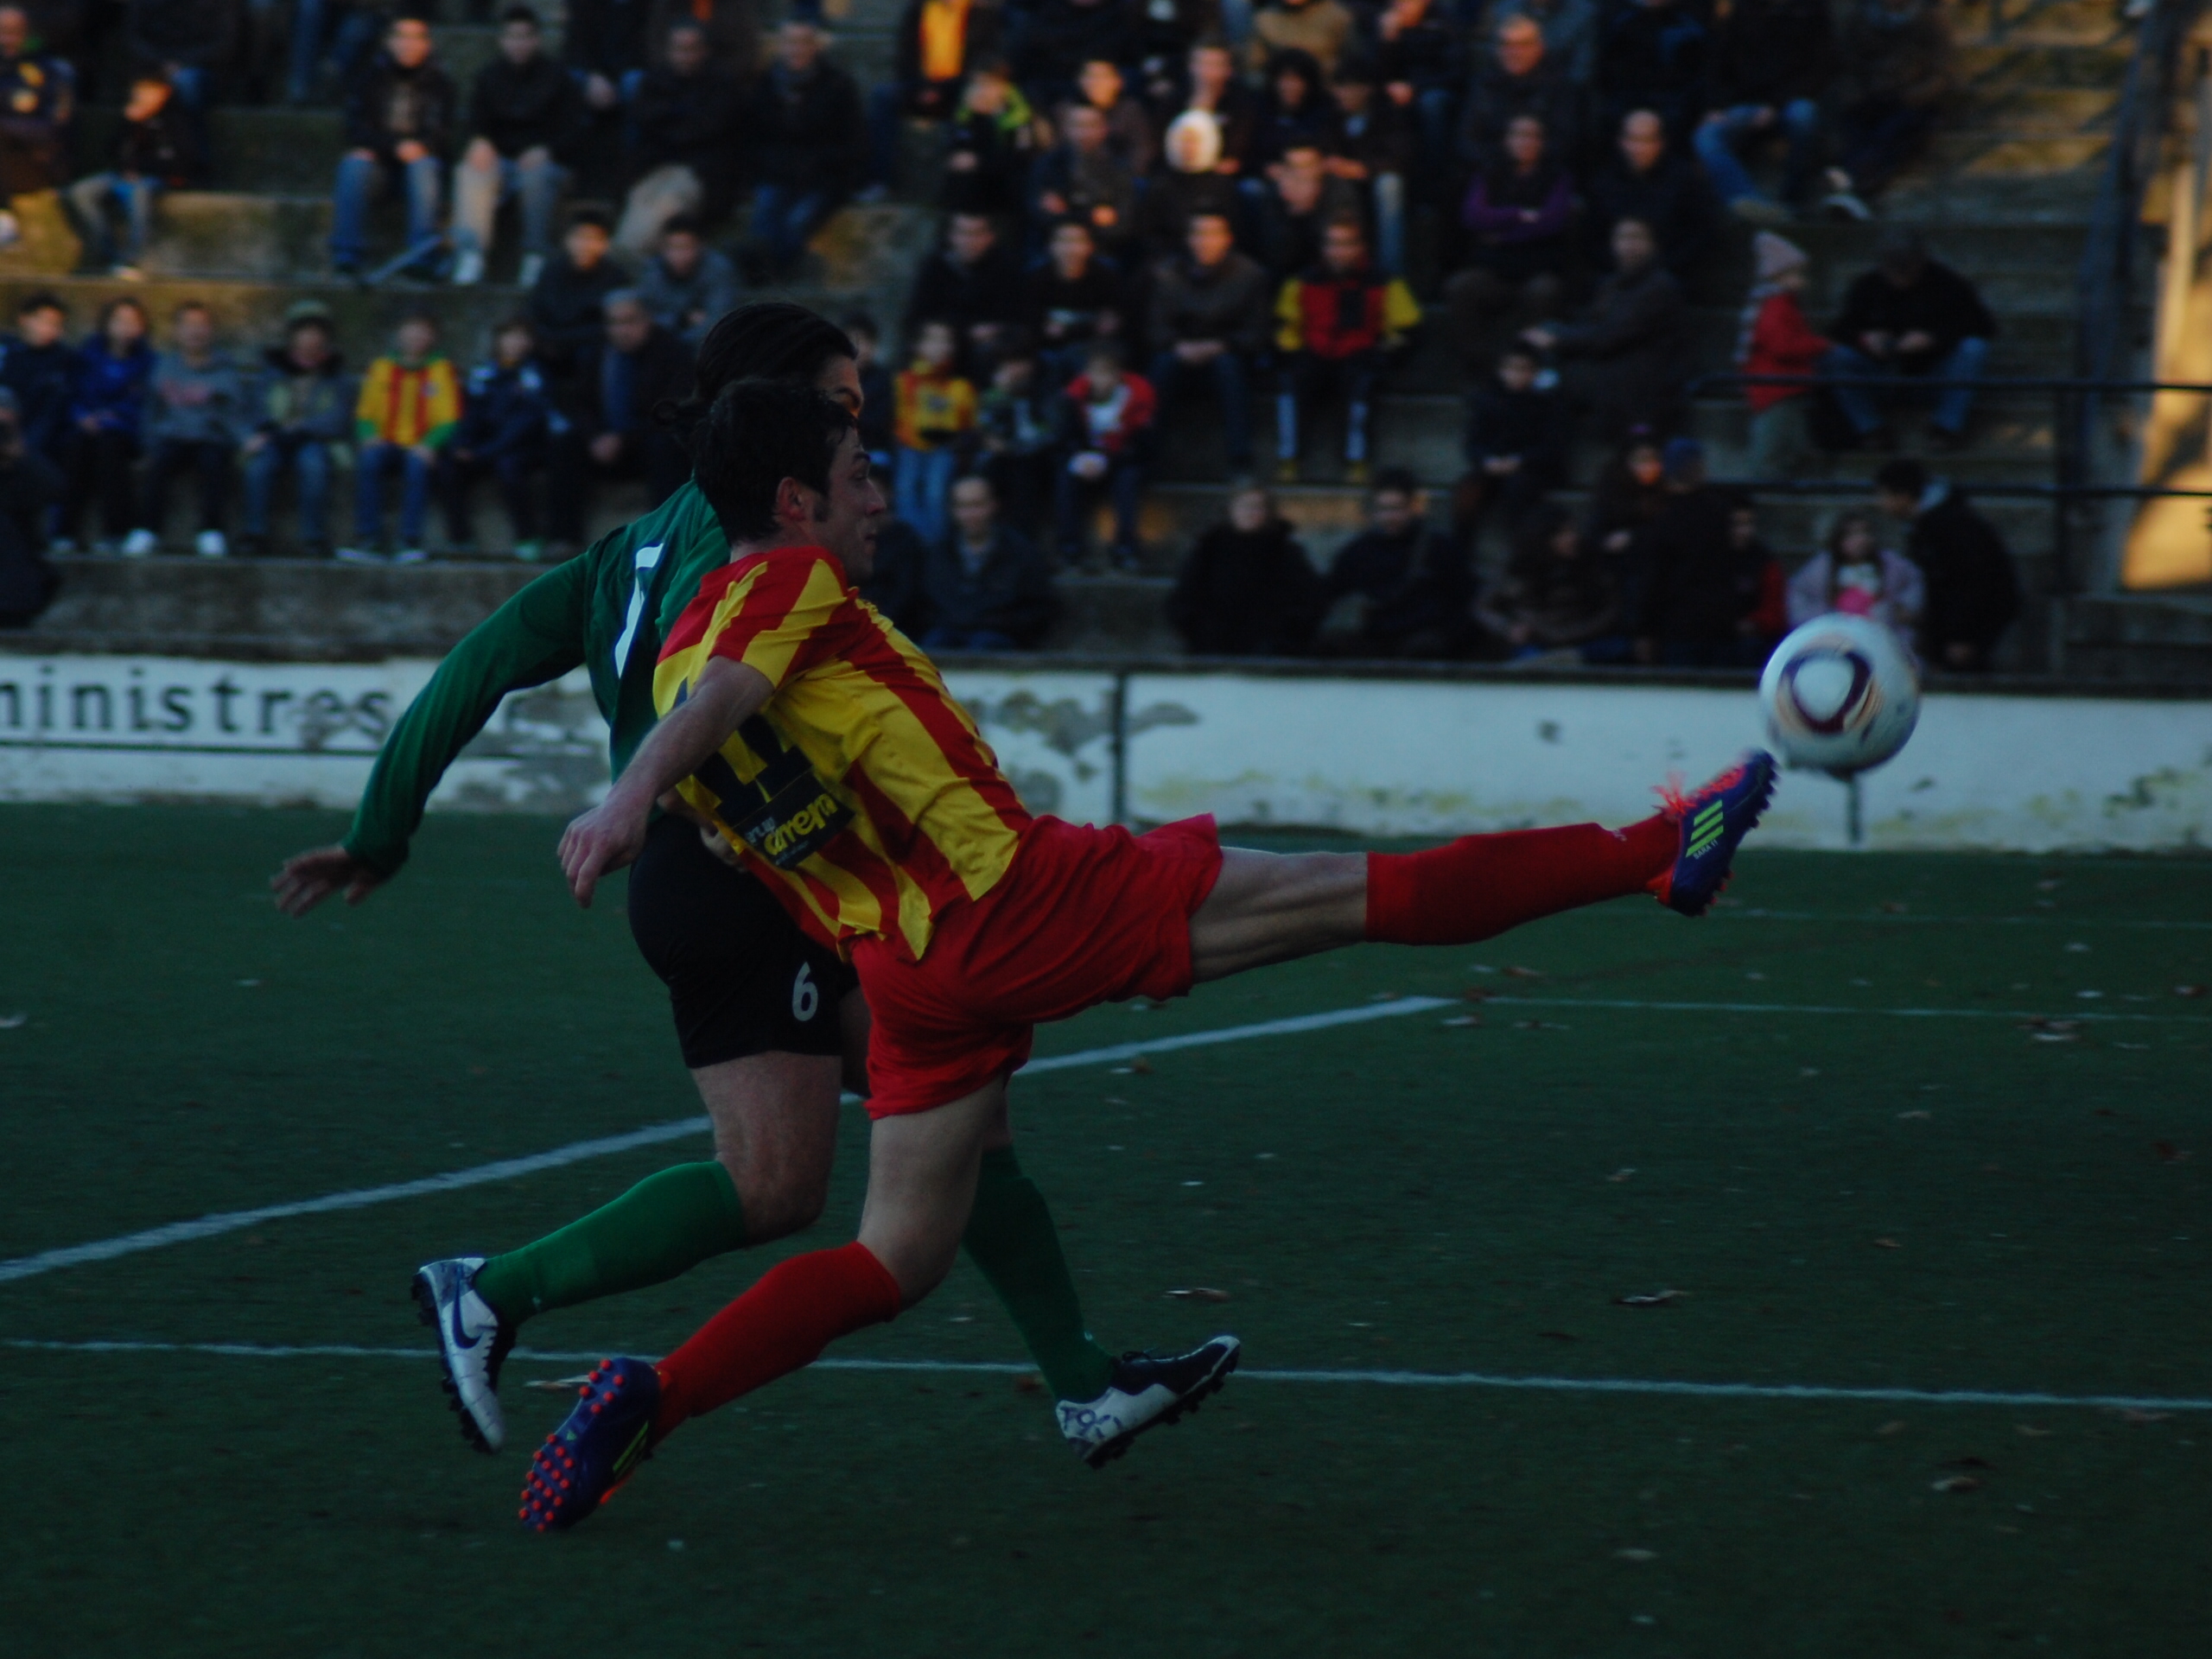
[769, 1022]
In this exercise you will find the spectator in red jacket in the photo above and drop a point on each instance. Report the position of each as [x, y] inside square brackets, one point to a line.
[1106, 416]
[1776, 339]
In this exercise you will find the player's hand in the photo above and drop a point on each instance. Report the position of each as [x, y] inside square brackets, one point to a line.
[600, 841]
[311, 877]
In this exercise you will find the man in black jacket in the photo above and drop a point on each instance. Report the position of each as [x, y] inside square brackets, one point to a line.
[1519, 79]
[1248, 588]
[1700, 583]
[1399, 588]
[1209, 309]
[972, 284]
[1063, 35]
[1771, 62]
[985, 587]
[39, 367]
[1647, 178]
[566, 303]
[613, 432]
[1631, 353]
[523, 111]
[685, 121]
[1974, 593]
[29, 484]
[399, 126]
[1910, 315]
[807, 134]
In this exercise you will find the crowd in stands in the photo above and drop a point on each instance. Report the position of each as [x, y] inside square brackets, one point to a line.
[1157, 218]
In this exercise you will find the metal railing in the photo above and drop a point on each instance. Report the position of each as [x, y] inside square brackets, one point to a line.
[2073, 401]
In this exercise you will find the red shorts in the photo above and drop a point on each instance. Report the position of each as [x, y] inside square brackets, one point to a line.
[1084, 916]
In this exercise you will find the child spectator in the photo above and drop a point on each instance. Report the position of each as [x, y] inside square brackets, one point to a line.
[686, 130]
[806, 139]
[28, 484]
[1557, 596]
[505, 421]
[194, 419]
[409, 408]
[1210, 323]
[991, 146]
[1190, 183]
[1322, 28]
[936, 411]
[1898, 72]
[1515, 446]
[1374, 153]
[399, 125]
[617, 431]
[1520, 212]
[985, 586]
[1632, 351]
[688, 285]
[1337, 325]
[303, 409]
[1856, 575]
[40, 95]
[878, 398]
[1017, 422]
[1080, 180]
[1973, 591]
[39, 367]
[1399, 589]
[936, 45]
[567, 301]
[1073, 300]
[524, 115]
[1774, 339]
[1107, 421]
[156, 148]
[1247, 588]
[107, 404]
[970, 282]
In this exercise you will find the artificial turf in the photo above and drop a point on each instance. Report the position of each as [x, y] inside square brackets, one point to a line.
[1855, 1199]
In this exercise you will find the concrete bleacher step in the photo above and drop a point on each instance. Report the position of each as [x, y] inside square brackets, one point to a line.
[2145, 638]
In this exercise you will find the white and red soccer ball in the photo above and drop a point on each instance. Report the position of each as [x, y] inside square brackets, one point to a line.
[1840, 694]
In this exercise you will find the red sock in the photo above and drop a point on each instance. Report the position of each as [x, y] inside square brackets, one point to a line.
[1483, 884]
[780, 1326]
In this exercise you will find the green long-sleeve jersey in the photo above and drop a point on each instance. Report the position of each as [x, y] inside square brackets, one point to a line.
[608, 609]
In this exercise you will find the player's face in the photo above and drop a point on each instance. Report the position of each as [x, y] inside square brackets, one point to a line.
[840, 378]
[845, 519]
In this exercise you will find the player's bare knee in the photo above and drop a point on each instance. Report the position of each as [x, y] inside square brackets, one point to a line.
[780, 1197]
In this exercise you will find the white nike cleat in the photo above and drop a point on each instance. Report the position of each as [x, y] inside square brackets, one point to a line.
[472, 1341]
[1147, 1390]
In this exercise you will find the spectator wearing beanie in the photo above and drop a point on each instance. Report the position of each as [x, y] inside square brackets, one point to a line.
[1774, 339]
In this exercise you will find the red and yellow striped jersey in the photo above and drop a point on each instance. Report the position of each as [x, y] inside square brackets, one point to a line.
[932, 819]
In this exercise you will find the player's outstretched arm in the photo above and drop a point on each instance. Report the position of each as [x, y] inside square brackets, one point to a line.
[611, 835]
[309, 878]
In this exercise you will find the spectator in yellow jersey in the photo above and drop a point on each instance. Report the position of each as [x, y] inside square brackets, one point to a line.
[1336, 324]
[410, 405]
[935, 409]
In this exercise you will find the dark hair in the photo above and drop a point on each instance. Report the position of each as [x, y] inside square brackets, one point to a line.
[508, 325]
[1844, 523]
[682, 224]
[422, 314]
[1295, 60]
[41, 301]
[126, 302]
[758, 433]
[1395, 481]
[1103, 351]
[200, 306]
[590, 213]
[520, 15]
[768, 339]
[1902, 478]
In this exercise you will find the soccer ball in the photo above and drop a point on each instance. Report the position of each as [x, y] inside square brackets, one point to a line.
[1840, 694]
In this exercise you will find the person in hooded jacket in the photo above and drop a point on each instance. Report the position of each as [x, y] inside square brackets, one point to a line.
[303, 414]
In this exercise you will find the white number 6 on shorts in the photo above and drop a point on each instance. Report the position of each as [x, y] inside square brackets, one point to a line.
[806, 995]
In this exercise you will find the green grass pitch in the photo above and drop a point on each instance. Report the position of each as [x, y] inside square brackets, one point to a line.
[1852, 1198]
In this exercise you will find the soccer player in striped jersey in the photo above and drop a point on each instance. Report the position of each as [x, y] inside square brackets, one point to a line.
[828, 751]
[766, 1019]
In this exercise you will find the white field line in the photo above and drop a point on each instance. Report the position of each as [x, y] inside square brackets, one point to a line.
[1731, 913]
[508, 1169]
[1634, 1005]
[1792, 1391]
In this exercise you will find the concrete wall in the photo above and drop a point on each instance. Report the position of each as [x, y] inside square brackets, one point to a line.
[1361, 755]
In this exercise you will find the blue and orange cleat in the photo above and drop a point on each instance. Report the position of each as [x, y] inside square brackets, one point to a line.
[1714, 820]
[606, 1436]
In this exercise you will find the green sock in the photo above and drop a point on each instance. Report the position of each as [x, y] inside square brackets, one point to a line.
[665, 1225]
[1011, 1237]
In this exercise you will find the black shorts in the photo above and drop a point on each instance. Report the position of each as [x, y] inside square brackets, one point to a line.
[741, 978]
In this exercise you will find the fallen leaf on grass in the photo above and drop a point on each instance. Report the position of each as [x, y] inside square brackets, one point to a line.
[1621, 1175]
[2188, 990]
[1029, 1382]
[1476, 994]
[1524, 973]
[2051, 886]
[1887, 1244]
[1199, 1293]
[1383, 997]
[2030, 1432]
[1635, 1554]
[1903, 1114]
[1142, 1066]
[2168, 1152]
[1539, 1025]
[1955, 1483]
[1968, 1462]
[1895, 1426]
[1650, 1298]
[2044, 1029]
[1463, 1021]
[2130, 1414]
[9, 1021]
